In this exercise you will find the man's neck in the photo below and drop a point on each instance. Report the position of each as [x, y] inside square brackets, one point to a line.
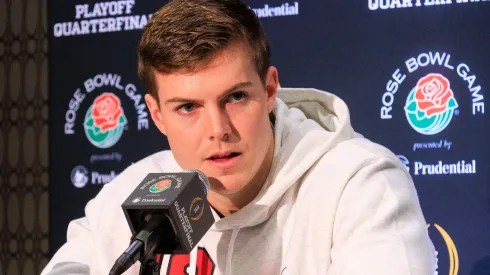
[226, 205]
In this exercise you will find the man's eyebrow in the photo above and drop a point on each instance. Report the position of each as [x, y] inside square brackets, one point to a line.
[227, 91]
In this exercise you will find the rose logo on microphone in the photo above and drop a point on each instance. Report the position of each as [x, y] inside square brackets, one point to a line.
[196, 209]
[161, 186]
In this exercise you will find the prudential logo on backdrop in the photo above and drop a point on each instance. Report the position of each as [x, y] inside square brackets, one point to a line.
[279, 10]
[420, 168]
[80, 177]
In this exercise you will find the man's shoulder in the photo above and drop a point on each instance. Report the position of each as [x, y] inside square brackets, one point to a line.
[353, 165]
[345, 160]
[363, 151]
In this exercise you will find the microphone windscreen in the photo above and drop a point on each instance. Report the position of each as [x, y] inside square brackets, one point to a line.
[203, 179]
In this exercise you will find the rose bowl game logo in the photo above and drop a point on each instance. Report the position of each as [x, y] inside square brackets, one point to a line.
[161, 186]
[430, 105]
[107, 114]
[434, 95]
[104, 121]
[104, 114]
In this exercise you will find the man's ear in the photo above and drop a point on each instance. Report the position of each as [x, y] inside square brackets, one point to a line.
[155, 113]
[271, 86]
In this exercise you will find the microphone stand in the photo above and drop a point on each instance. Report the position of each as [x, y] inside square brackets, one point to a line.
[164, 243]
[148, 246]
[151, 265]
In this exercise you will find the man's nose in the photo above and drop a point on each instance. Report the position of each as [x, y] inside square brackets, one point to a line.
[218, 124]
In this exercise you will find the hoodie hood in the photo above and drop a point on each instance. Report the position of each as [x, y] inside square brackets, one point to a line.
[308, 124]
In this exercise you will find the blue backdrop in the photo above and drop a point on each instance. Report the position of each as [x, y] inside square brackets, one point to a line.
[383, 57]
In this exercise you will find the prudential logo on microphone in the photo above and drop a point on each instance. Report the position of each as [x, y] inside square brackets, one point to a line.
[136, 200]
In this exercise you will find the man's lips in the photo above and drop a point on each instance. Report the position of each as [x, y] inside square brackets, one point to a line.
[226, 155]
[224, 161]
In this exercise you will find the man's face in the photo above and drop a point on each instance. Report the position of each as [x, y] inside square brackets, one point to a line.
[216, 119]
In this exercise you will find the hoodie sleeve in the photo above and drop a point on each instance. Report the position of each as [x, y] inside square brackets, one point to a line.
[95, 239]
[75, 256]
[379, 226]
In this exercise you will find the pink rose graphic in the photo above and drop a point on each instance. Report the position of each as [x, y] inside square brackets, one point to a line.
[433, 94]
[163, 183]
[106, 111]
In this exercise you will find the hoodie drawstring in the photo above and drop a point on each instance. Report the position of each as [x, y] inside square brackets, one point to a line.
[193, 262]
[230, 249]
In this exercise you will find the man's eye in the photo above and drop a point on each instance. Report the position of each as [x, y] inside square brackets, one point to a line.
[237, 96]
[186, 108]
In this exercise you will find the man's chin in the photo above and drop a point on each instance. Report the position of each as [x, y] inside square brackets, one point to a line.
[226, 185]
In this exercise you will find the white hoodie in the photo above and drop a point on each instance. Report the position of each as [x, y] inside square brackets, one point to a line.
[334, 203]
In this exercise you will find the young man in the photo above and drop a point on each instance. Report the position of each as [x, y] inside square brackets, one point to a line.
[294, 189]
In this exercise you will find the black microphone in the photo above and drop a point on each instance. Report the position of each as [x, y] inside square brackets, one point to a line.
[168, 213]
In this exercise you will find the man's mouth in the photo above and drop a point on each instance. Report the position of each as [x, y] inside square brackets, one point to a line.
[224, 156]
